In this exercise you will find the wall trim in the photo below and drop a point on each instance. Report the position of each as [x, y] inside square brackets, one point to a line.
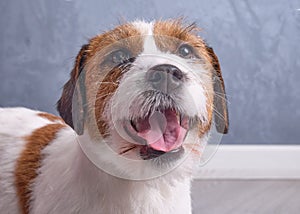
[252, 162]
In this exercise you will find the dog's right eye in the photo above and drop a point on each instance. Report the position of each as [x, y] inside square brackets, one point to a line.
[120, 56]
[185, 51]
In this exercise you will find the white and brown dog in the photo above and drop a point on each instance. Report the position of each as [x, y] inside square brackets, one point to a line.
[142, 99]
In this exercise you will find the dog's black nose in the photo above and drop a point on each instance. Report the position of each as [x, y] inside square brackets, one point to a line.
[165, 77]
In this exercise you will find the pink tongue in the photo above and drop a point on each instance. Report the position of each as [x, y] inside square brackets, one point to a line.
[165, 133]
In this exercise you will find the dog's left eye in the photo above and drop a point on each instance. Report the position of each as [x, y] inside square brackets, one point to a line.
[185, 51]
[120, 56]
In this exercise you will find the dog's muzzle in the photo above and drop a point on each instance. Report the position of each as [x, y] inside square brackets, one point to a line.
[161, 130]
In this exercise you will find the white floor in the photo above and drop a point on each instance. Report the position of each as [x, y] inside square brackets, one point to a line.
[246, 196]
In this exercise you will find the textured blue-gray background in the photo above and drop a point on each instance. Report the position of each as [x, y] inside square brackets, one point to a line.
[258, 44]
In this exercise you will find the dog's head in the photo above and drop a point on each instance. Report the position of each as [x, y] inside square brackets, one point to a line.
[149, 90]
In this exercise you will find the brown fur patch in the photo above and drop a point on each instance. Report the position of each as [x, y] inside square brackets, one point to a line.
[50, 117]
[30, 161]
[102, 77]
[170, 34]
[118, 36]
[91, 59]
[105, 92]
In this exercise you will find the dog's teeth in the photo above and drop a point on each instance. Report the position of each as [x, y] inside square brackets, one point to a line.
[174, 150]
[178, 117]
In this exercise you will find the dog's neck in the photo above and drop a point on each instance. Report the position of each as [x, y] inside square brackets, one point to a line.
[165, 194]
[85, 187]
[161, 195]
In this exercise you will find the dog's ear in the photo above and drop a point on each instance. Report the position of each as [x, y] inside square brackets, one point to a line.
[71, 109]
[220, 100]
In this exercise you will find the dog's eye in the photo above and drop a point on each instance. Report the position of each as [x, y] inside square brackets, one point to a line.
[120, 56]
[185, 51]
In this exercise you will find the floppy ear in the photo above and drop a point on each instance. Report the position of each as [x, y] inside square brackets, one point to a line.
[71, 108]
[220, 101]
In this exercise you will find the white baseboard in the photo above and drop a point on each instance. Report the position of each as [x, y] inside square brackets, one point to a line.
[253, 162]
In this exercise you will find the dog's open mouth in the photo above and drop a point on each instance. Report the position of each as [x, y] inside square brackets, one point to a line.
[159, 133]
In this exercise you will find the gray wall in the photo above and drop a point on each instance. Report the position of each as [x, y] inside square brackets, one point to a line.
[258, 44]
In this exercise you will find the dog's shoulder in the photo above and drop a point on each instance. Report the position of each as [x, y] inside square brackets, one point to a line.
[19, 121]
[21, 127]
[24, 134]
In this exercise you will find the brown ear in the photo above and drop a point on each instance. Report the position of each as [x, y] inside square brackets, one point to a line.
[220, 100]
[71, 108]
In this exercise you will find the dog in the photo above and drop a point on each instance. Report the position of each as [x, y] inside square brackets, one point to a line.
[136, 113]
